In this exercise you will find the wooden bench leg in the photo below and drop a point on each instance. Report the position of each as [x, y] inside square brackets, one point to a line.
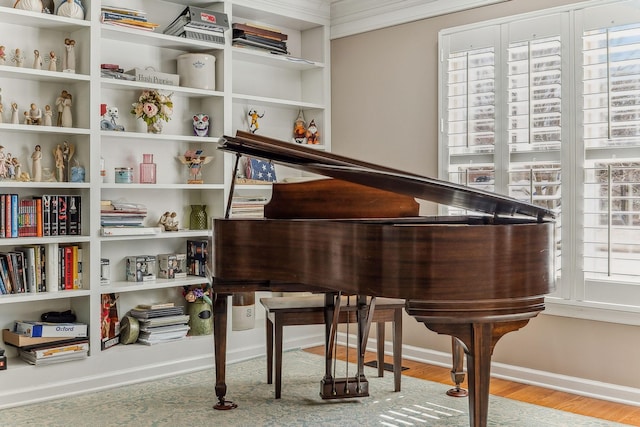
[269, 325]
[397, 348]
[380, 341]
[278, 331]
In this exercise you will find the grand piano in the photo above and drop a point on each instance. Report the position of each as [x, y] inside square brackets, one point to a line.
[473, 277]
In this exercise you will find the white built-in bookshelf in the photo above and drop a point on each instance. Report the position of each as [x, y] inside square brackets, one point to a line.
[277, 85]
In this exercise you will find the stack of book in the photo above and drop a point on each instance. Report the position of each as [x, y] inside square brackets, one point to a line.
[160, 323]
[44, 343]
[125, 17]
[248, 206]
[249, 35]
[121, 218]
[199, 24]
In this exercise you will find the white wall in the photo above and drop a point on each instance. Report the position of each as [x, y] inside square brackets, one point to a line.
[384, 110]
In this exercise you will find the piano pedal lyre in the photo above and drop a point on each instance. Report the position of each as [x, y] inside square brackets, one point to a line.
[344, 388]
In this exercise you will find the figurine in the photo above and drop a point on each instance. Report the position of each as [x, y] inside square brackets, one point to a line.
[201, 124]
[194, 160]
[1, 113]
[14, 113]
[59, 158]
[169, 221]
[26, 118]
[66, 119]
[11, 168]
[313, 136]
[253, 125]
[109, 116]
[60, 105]
[37, 60]
[67, 154]
[34, 116]
[3, 55]
[3, 163]
[48, 114]
[299, 128]
[17, 57]
[71, 9]
[53, 61]
[69, 59]
[32, 5]
[15, 167]
[36, 164]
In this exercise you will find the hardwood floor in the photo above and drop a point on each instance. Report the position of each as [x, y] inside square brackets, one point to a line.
[605, 410]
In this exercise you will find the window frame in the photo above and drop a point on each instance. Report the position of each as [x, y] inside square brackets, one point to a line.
[574, 296]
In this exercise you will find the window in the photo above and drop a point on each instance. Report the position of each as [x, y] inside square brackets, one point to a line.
[545, 108]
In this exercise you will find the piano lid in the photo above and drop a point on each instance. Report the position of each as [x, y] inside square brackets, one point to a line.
[347, 169]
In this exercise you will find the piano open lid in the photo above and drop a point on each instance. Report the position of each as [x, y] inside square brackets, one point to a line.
[347, 169]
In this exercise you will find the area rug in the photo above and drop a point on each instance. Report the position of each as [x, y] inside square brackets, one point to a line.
[187, 400]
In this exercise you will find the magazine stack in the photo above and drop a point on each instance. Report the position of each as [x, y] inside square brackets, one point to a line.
[199, 24]
[160, 323]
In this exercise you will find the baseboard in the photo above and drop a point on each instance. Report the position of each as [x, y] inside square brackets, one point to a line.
[574, 385]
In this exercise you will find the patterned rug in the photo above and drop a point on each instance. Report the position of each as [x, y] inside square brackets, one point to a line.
[187, 400]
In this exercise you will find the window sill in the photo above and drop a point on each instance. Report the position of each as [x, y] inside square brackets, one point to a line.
[611, 313]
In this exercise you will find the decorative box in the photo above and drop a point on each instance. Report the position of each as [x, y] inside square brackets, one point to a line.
[172, 266]
[141, 268]
[149, 75]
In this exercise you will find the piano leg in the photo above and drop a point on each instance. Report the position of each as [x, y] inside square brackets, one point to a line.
[220, 349]
[479, 340]
[457, 369]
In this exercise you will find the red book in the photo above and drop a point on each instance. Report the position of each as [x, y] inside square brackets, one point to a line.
[68, 268]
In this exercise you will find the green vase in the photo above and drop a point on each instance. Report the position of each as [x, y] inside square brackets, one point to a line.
[200, 318]
[198, 217]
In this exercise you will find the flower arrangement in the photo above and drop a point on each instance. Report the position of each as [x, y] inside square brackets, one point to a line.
[197, 293]
[152, 106]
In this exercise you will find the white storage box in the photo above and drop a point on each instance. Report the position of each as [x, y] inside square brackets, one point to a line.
[197, 70]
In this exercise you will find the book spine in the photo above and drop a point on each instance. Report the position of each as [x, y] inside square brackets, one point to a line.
[4, 271]
[3, 203]
[7, 215]
[79, 255]
[62, 215]
[73, 222]
[43, 268]
[46, 215]
[68, 267]
[39, 230]
[53, 216]
[113, 16]
[14, 215]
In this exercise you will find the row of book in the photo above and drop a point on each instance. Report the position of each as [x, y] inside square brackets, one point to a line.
[126, 17]
[46, 215]
[199, 24]
[24, 270]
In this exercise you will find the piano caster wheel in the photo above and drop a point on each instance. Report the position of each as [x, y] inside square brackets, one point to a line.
[457, 392]
[225, 405]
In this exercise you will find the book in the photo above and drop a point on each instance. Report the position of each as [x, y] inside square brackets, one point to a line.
[47, 329]
[29, 255]
[46, 215]
[74, 224]
[62, 215]
[259, 30]
[129, 231]
[199, 17]
[155, 306]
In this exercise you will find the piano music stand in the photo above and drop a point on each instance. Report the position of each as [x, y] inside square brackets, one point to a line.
[309, 310]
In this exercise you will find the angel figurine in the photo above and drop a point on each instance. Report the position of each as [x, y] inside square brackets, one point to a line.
[17, 57]
[3, 55]
[37, 60]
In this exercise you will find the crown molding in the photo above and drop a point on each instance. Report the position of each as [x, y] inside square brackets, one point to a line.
[316, 11]
[349, 17]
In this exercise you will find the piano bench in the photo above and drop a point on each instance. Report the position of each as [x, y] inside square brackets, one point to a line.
[309, 310]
